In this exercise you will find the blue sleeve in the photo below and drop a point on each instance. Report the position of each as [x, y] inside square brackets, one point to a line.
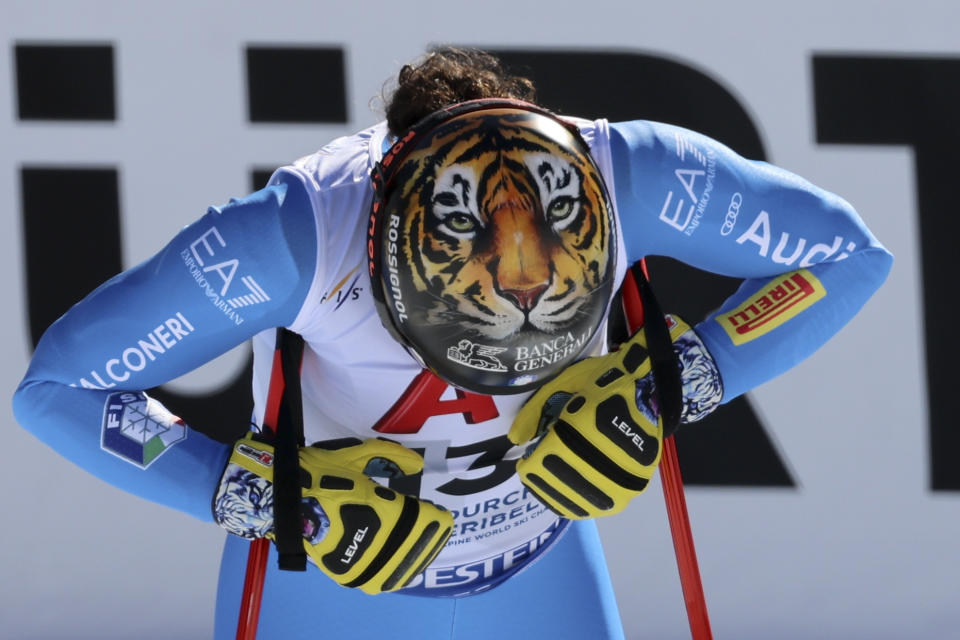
[808, 261]
[241, 268]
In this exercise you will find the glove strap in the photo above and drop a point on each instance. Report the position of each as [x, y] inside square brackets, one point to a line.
[663, 361]
[287, 523]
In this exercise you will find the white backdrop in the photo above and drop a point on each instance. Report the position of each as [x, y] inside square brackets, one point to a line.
[860, 549]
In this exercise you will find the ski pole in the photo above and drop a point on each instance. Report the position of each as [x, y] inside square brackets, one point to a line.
[289, 347]
[673, 495]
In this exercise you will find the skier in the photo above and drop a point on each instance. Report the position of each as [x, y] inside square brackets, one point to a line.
[466, 421]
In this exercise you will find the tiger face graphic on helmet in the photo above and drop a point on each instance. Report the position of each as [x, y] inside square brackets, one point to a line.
[504, 247]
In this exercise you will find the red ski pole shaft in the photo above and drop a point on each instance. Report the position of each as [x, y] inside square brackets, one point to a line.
[687, 565]
[260, 548]
[253, 589]
[673, 495]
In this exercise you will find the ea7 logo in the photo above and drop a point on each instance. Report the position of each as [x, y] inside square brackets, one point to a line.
[214, 273]
[697, 184]
[225, 269]
[255, 294]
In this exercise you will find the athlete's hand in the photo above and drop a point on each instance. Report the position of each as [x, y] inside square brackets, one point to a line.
[596, 428]
[358, 532]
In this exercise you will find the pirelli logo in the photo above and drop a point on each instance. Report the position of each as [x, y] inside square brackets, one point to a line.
[781, 299]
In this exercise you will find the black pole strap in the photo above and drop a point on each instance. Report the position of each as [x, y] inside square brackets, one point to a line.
[287, 521]
[663, 360]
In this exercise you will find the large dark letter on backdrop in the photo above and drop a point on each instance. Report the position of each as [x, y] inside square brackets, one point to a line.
[633, 86]
[71, 215]
[916, 102]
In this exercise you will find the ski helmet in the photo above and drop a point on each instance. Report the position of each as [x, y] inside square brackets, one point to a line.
[492, 244]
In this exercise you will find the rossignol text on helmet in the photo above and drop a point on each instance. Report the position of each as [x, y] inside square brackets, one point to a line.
[492, 245]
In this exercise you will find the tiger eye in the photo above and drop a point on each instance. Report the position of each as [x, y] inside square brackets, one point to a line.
[460, 223]
[560, 208]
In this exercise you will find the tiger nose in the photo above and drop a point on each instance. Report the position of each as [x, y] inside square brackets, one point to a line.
[526, 299]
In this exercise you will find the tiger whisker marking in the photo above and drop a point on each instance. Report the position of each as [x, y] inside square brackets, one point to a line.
[559, 296]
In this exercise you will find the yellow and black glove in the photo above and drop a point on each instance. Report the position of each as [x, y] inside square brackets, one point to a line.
[358, 532]
[596, 428]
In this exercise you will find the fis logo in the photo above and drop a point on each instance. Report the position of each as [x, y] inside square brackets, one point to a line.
[340, 293]
[138, 429]
[778, 301]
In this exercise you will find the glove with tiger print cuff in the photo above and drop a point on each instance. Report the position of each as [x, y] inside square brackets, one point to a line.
[596, 428]
[358, 532]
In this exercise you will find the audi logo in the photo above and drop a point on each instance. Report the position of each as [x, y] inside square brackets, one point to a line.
[730, 220]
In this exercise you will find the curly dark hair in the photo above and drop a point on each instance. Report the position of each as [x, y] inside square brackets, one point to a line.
[448, 75]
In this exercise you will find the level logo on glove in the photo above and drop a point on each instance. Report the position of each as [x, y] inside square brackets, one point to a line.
[360, 533]
[596, 428]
